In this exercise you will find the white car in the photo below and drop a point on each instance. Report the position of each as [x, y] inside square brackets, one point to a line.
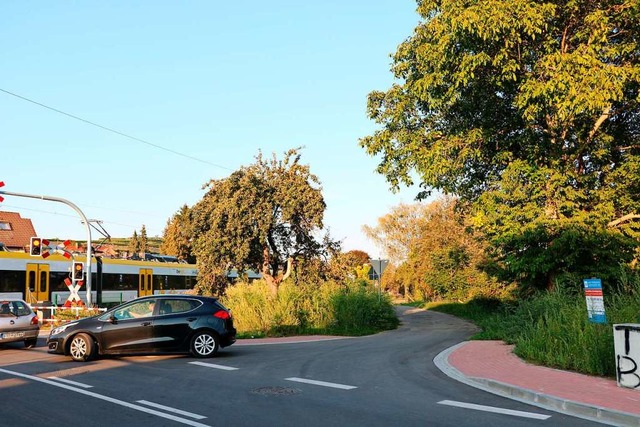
[18, 322]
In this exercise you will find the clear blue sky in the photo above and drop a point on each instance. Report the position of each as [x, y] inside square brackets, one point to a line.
[213, 80]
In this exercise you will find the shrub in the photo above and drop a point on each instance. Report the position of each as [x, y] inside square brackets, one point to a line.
[308, 309]
[360, 310]
[67, 315]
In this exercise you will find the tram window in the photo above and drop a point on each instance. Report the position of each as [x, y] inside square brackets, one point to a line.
[32, 281]
[148, 276]
[178, 282]
[159, 282]
[43, 281]
[119, 282]
[57, 281]
[12, 281]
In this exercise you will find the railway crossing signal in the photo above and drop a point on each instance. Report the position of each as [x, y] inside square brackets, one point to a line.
[39, 247]
[35, 247]
[1, 185]
[77, 274]
[74, 297]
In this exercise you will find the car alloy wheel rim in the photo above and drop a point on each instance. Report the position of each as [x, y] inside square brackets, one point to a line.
[78, 348]
[205, 344]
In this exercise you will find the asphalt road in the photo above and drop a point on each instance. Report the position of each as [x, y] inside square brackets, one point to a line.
[387, 379]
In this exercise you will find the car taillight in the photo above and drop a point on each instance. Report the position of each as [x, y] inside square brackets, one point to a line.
[34, 320]
[222, 315]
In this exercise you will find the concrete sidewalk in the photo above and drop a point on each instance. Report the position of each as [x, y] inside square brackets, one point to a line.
[492, 366]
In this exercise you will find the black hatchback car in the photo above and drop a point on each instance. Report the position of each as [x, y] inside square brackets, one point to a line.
[158, 324]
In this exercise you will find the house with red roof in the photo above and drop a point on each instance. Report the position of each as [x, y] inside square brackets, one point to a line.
[15, 232]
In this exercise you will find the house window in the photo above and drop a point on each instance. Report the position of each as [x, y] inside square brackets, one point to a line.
[5, 225]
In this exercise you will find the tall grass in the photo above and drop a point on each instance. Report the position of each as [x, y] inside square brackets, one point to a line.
[553, 329]
[327, 308]
[360, 308]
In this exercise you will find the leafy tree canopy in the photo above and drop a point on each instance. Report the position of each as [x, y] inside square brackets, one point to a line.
[484, 83]
[528, 108]
[177, 236]
[398, 231]
[134, 243]
[144, 241]
[261, 217]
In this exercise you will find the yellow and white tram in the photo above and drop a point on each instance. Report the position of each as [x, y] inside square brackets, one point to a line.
[37, 280]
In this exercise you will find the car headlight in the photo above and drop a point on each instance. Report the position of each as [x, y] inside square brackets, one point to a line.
[61, 329]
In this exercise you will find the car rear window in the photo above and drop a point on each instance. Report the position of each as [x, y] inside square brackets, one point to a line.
[14, 308]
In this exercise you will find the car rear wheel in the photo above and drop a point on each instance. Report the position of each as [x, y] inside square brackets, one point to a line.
[30, 343]
[81, 348]
[204, 344]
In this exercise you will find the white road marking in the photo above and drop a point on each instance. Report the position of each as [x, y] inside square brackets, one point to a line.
[322, 383]
[170, 409]
[495, 410]
[75, 383]
[213, 365]
[106, 399]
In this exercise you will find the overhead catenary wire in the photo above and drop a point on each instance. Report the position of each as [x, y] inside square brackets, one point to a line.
[64, 215]
[108, 129]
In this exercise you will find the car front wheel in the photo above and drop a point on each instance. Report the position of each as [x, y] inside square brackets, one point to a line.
[204, 344]
[81, 348]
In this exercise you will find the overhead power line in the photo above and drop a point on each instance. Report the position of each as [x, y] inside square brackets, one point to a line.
[108, 129]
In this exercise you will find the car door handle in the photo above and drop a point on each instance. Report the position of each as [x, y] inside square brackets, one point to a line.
[191, 319]
[146, 323]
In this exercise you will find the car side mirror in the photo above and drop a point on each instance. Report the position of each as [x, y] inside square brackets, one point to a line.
[112, 319]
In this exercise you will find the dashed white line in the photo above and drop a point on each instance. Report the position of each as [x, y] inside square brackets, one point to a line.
[170, 409]
[106, 398]
[214, 366]
[321, 383]
[494, 410]
[75, 383]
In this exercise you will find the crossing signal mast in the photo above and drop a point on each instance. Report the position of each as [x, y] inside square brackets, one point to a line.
[40, 243]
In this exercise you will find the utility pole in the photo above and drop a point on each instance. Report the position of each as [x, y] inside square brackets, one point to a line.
[84, 219]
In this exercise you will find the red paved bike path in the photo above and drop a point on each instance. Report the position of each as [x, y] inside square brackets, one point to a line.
[493, 365]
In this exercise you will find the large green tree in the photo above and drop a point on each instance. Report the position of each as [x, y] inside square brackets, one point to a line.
[262, 217]
[528, 108]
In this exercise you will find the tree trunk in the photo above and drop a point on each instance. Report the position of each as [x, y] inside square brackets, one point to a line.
[267, 274]
[274, 278]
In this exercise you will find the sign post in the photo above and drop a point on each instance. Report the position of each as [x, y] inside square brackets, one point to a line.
[378, 266]
[595, 302]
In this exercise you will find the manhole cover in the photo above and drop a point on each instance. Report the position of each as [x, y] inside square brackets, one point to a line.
[281, 391]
